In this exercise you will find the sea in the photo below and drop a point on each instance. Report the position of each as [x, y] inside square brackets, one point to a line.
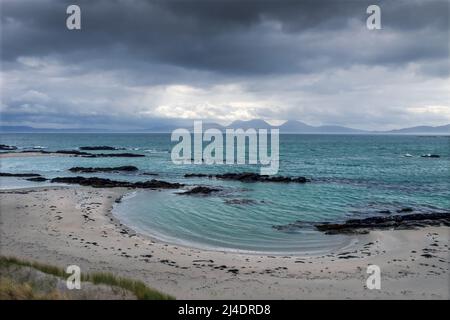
[352, 176]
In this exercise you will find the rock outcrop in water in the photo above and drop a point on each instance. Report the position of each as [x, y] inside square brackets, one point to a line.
[104, 169]
[201, 190]
[111, 155]
[70, 152]
[77, 153]
[19, 175]
[93, 148]
[430, 155]
[352, 226]
[250, 177]
[107, 183]
[37, 179]
[409, 221]
[239, 201]
[7, 148]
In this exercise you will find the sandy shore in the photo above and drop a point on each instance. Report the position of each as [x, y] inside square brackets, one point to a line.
[73, 225]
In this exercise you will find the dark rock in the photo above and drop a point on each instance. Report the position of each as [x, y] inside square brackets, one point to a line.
[73, 152]
[233, 271]
[37, 179]
[33, 151]
[105, 169]
[19, 175]
[107, 183]
[252, 177]
[7, 148]
[385, 211]
[239, 201]
[110, 155]
[395, 222]
[430, 155]
[402, 210]
[197, 175]
[200, 190]
[157, 184]
[92, 148]
[97, 155]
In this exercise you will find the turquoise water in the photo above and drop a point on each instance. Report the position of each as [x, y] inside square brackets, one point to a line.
[352, 176]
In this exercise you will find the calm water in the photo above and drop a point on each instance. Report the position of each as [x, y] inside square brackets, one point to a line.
[352, 176]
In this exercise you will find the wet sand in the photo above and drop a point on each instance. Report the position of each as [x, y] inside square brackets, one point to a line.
[74, 225]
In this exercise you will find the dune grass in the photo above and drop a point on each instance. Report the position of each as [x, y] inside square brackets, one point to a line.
[13, 290]
[138, 288]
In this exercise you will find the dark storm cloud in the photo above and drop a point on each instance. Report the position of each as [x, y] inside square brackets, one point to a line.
[230, 37]
[137, 62]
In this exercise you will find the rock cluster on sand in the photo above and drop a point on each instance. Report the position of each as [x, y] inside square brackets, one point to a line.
[103, 169]
[107, 183]
[249, 177]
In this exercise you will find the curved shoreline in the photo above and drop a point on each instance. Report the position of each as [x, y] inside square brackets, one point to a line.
[349, 243]
[75, 225]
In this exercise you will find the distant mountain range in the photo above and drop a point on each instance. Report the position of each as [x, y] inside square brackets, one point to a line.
[290, 126]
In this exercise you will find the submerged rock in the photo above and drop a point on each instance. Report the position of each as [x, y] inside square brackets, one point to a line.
[201, 190]
[239, 201]
[409, 221]
[91, 148]
[103, 169]
[107, 183]
[250, 177]
[110, 155]
[254, 177]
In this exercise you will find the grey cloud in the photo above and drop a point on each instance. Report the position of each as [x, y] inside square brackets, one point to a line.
[307, 60]
[231, 37]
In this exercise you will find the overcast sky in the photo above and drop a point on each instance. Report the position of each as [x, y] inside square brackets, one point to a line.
[139, 63]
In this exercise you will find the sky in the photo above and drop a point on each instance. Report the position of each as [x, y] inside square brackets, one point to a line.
[136, 64]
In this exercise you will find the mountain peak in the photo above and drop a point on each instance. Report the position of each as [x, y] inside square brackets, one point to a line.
[247, 124]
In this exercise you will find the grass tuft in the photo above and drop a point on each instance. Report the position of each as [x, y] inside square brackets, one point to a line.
[12, 290]
[138, 288]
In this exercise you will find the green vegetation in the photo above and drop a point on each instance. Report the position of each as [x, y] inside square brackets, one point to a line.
[12, 289]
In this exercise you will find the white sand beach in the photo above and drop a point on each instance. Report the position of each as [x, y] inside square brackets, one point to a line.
[74, 225]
